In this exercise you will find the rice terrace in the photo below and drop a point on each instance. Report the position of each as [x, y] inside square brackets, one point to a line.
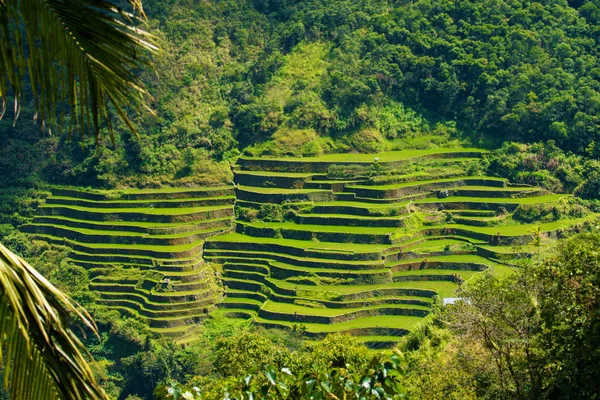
[353, 243]
[299, 200]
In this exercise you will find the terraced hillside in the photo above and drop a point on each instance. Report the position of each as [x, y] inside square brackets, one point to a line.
[143, 248]
[363, 243]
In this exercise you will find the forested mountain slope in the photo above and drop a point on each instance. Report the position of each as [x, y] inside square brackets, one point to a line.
[312, 77]
[287, 81]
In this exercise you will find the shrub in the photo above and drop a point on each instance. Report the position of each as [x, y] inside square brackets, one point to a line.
[564, 208]
[366, 141]
[5, 230]
[271, 212]
[245, 213]
[347, 171]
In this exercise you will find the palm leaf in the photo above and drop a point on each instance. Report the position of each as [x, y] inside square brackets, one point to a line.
[43, 358]
[79, 56]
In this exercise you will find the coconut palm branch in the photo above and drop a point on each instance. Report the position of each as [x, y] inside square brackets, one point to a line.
[77, 58]
[42, 357]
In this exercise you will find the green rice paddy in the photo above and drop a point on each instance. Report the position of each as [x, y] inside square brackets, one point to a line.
[368, 266]
[382, 157]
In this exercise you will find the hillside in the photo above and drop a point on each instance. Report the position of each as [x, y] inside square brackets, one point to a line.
[361, 245]
[317, 77]
[316, 177]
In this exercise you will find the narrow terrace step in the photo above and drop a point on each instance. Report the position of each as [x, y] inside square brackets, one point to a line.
[298, 314]
[188, 276]
[482, 191]
[223, 256]
[380, 342]
[485, 203]
[241, 303]
[480, 221]
[246, 294]
[434, 275]
[299, 274]
[334, 185]
[284, 180]
[145, 204]
[400, 190]
[154, 297]
[153, 306]
[340, 234]
[166, 322]
[284, 289]
[300, 248]
[278, 196]
[321, 164]
[153, 285]
[350, 220]
[96, 260]
[356, 303]
[155, 314]
[150, 228]
[472, 213]
[179, 251]
[451, 262]
[143, 194]
[156, 215]
[383, 201]
[354, 207]
[113, 237]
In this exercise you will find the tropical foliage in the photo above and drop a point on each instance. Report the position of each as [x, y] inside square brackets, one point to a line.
[301, 78]
[311, 77]
[75, 58]
[42, 356]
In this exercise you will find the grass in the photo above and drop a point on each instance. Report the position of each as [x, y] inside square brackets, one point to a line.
[397, 155]
[323, 228]
[157, 248]
[143, 191]
[523, 229]
[142, 210]
[359, 204]
[264, 255]
[263, 190]
[440, 287]
[150, 202]
[276, 174]
[387, 321]
[440, 243]
[287, 308]
[139, 224]
[426, 182]
[496, 200]
[350, 216]
[306, 63]
[301, 244]
[110, 233]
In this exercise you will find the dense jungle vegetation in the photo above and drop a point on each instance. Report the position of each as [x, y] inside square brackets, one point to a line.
[311, 77]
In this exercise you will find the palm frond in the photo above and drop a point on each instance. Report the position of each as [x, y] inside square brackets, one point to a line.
[43, 358]
[79, 56]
